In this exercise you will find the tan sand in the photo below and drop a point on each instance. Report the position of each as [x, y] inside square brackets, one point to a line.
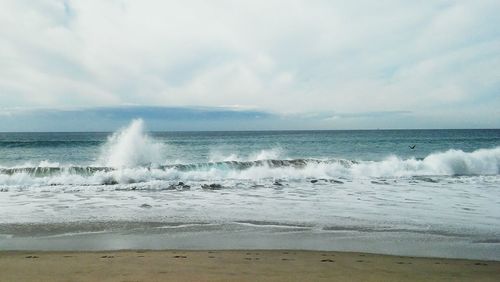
[237, 266]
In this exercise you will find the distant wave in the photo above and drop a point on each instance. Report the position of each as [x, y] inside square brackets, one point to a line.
[51, 143]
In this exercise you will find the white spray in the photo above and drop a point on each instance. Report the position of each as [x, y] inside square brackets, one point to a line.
[131, 147]
[270, 154]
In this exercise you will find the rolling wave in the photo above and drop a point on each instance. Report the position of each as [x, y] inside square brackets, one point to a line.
[42, 171]
[449, 163]
[130, 156]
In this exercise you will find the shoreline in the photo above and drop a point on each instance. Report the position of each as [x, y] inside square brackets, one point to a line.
[241, 265]
[243, 237]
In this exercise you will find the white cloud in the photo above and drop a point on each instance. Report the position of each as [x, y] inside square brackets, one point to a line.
[282, 56]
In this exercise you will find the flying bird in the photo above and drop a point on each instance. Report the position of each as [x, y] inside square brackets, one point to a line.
[412, 147]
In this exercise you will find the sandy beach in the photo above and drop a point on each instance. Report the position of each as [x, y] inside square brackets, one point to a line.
[251, 265]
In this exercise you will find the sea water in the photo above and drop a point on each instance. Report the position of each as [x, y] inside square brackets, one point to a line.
[334, 190]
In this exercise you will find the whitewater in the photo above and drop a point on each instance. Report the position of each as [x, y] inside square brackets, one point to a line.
[342, 190]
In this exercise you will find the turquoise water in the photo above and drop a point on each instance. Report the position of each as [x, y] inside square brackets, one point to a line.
[374, 145]
[364, 186]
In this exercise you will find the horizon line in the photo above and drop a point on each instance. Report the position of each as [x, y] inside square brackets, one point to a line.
[263, 130]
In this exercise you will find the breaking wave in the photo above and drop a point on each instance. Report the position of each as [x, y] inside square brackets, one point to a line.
[270, 154]
[130, 155]
[449, 163]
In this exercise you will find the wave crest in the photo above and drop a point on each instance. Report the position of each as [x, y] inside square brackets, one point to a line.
[269, 154]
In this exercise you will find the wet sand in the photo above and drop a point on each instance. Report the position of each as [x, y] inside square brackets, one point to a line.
[276, 265]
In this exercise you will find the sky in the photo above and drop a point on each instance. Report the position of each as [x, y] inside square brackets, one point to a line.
[247, 65]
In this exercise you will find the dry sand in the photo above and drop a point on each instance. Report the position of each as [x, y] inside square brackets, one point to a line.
[237, 266]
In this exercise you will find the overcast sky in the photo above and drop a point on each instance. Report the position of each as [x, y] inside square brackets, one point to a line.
[295, 64]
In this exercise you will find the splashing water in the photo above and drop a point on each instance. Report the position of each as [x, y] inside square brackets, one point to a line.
[269, 154]
[131, 147]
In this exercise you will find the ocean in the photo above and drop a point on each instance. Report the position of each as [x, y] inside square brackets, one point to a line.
[365, 190]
